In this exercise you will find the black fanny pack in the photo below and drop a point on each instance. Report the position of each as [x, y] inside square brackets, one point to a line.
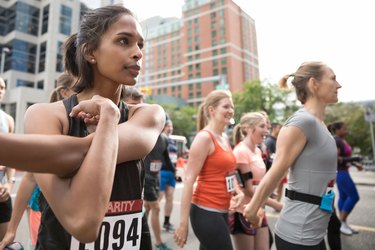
[325, 202]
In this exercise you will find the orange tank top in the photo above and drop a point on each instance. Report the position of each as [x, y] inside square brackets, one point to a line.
[211, 189]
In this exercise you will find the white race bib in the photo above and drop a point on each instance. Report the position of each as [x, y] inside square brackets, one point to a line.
[116, 232]
[230, 182]
[155, 166]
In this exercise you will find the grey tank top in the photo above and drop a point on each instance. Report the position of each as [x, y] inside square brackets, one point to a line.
[300, 222]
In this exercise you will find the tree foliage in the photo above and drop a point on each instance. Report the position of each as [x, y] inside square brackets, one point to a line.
[352, 114]
[257, 96]
[183, 119]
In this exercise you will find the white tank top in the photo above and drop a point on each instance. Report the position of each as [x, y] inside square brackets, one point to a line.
[4, 128]
[4, 125]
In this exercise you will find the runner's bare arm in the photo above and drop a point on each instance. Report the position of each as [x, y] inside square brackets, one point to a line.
[80, 202]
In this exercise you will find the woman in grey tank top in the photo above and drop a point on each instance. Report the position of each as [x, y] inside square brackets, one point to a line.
[305, 148]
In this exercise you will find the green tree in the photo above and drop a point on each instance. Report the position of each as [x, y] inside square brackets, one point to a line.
[276, 102]
[183, 119]
[352, 114]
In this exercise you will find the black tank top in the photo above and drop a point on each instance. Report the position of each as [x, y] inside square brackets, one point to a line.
[121, 228]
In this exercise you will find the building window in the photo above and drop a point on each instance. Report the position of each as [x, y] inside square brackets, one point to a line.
[45, 19]
[25, 18]
[23, 83]
[40, 84]
[23, 56]
[4, 20]
[12, 110]
[42, 57]
[65, 20]
[59, 58]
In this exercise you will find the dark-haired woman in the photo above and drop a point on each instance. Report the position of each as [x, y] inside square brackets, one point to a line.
[99, 206]
[348, 193]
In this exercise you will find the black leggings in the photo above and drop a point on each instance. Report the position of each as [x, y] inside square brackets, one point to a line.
[211, 229]
[146, 243]
[284, 245]
[333, 235]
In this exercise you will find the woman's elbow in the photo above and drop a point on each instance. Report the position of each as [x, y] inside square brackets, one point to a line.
[86, 228]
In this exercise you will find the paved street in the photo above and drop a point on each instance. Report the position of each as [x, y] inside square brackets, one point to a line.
[362, 217]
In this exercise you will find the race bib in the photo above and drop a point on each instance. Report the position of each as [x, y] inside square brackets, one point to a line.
[230, 182]
[118, 230]
[155, 166]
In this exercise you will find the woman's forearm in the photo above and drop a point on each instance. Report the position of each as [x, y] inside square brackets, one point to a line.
[24, 193]
[186, 204]
[56, 154]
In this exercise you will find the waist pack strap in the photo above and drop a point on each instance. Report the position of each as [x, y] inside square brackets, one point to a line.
[309, 198]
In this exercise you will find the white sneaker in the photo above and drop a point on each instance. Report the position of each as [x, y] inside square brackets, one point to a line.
[345, 229]
[354, 231]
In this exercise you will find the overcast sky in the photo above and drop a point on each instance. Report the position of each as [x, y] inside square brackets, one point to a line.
[337, 32]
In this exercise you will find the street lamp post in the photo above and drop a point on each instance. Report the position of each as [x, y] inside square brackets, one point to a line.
[4, 51]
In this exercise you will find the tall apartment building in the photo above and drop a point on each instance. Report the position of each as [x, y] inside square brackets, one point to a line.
[213, 46]
[32, 31]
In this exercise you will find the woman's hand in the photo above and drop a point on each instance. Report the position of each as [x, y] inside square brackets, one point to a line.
[236, 201]
[253, 217]
[180, 235]
[359, 166]
[91, 110]
[8, 239]
[4, 192]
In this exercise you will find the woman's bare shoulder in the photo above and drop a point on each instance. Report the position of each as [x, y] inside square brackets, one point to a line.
[48, 114]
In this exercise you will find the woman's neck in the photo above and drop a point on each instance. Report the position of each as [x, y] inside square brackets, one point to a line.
[249, 143]
[113, 95]
[216, 129]
[316, 109]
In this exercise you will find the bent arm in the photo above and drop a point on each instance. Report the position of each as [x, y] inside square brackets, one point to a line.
[91, 186]
[137, 136]
[289, 145]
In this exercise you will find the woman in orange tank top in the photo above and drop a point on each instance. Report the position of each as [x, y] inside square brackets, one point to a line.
[211, 166]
